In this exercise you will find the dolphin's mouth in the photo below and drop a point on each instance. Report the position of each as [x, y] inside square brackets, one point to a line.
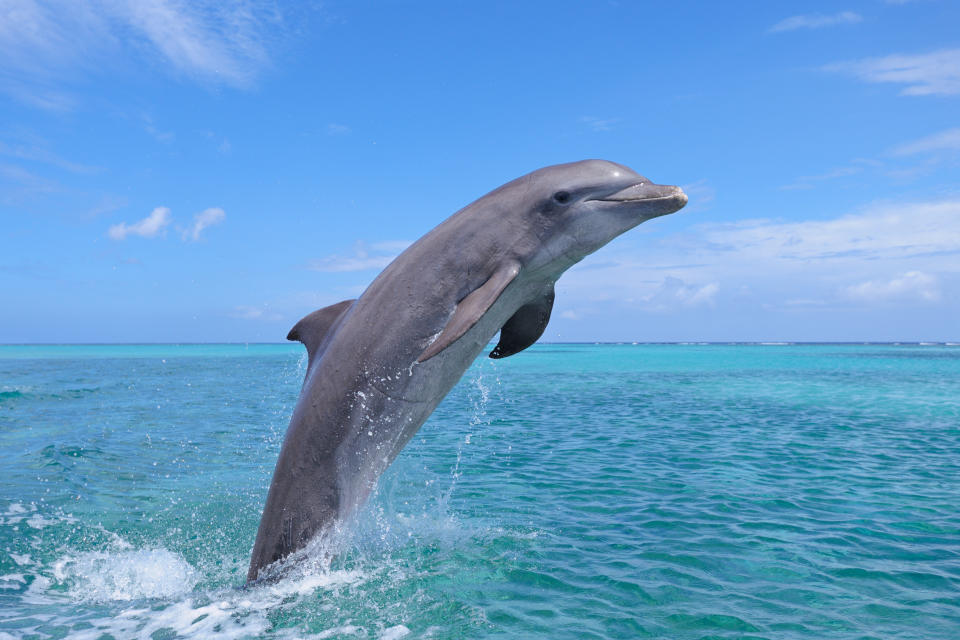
[646, 192]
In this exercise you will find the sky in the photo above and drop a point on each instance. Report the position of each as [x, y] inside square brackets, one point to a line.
[213, 171]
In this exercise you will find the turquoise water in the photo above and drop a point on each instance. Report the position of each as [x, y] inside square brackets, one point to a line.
[572, 491]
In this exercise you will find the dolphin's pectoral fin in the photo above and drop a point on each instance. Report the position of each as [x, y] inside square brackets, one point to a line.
[471, 309]
[314, 327]
[525, 326]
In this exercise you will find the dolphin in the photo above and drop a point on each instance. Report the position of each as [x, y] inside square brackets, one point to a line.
[378, 365]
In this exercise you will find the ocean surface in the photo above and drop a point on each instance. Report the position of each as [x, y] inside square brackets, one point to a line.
[571, 491]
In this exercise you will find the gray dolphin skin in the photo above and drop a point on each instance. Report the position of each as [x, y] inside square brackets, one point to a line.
[380, 364]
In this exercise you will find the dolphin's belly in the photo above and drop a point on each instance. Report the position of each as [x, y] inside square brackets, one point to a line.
[381, 411]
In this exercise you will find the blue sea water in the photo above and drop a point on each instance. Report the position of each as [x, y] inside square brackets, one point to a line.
[571, 491]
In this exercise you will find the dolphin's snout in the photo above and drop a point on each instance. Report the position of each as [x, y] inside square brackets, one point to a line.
[647, 199]
[681, 198]
[643, 191]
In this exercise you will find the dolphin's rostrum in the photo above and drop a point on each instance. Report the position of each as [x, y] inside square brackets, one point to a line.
[380, 364]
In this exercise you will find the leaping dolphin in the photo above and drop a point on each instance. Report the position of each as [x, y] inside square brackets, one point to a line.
[380, 364]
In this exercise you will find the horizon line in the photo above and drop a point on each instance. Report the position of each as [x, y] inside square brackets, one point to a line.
[559, 342]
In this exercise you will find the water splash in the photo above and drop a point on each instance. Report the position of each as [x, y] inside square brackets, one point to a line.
[97, 576]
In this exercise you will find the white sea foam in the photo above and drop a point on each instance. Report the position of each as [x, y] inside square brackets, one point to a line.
[21, 558]
[12, 581]
[39, 522]
[128, 592]
[14, 514]
[159, 585]
[345, 630]
[98, 576]
[394, 633]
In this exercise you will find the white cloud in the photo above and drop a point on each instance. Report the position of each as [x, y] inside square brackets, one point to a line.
[674, 292]
[217, 42]
[149, 227]
[204, 219]
[375, 256]
[948, 140]
[777, 262]
[912, 285]
[816, 21]
[936, 73]
[887, 232]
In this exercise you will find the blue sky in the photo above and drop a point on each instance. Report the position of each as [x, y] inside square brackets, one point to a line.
[174, 171]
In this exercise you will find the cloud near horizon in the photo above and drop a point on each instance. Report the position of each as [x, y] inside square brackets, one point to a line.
[907, 251]
[912, 285]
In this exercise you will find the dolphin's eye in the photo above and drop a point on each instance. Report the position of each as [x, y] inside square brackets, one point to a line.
[561, 196]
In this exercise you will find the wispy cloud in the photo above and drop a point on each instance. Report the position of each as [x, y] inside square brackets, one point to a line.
[203, 220]
[936, 73]
[888, 232]
[153, 225]
[815, 21]
[213, 42]
[375, 256]
[599, 124]
[334, 129]
[861, 258]
[217, 41]
[912, 285]
[948, 140]
[674, 292]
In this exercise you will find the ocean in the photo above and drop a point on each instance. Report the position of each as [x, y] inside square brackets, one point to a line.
[568, 492]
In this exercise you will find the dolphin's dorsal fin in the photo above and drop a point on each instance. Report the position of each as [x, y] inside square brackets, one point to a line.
[525, 326]
[314, 327]
[471, 309]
